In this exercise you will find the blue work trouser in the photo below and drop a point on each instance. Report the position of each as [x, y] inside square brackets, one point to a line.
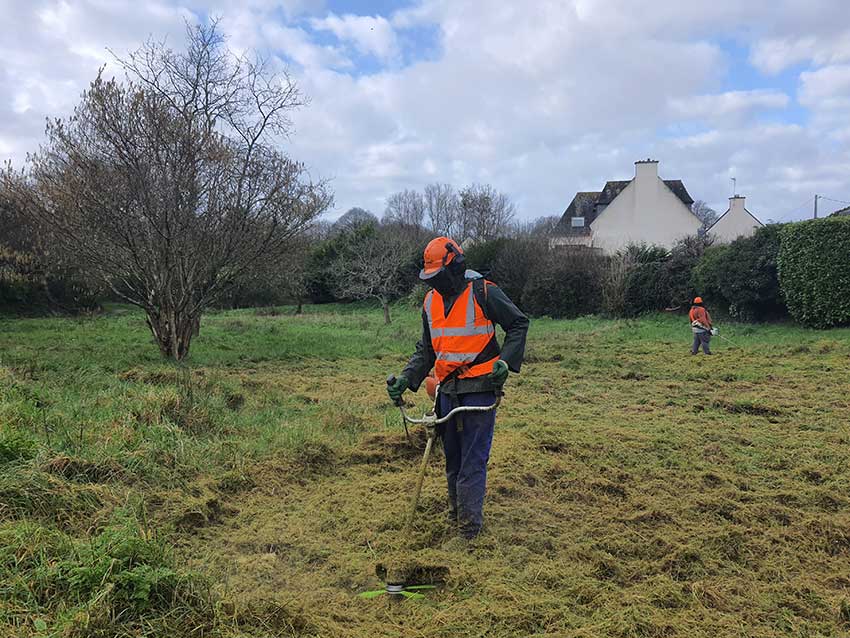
[701, 338]
[467, 449]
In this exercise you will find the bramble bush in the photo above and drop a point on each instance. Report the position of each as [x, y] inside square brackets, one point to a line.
[814, 271]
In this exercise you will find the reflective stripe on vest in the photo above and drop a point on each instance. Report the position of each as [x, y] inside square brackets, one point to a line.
[461, 337]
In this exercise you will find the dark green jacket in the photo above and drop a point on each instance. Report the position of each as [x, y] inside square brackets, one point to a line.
[498, 309]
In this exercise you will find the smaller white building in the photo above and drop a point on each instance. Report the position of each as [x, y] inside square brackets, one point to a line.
[736, 222]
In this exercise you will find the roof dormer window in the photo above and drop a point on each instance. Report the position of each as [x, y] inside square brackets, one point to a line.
[577, 222]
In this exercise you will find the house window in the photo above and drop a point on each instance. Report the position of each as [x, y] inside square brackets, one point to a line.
[578, 222]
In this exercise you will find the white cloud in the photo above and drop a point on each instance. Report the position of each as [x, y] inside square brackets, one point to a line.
[370, 35]
[774, 55]
[296, 44]
[542, 99]
[730, 103]
[826, 88]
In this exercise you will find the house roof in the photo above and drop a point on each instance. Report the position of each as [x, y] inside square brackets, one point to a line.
[611, 190]
[586, 204]
[728, 210]
[583, 205]
[844, 212]
[679, 190]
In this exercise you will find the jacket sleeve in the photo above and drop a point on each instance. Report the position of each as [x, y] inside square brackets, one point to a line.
[708, 319]
[423, 358]
[501, 310]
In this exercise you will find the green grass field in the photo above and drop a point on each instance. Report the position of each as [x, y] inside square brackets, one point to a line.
[634, 490]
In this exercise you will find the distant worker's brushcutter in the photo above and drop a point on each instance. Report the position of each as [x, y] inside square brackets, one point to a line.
[396, 585]
[716, 333]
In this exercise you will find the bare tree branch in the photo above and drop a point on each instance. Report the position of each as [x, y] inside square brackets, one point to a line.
[167, 187]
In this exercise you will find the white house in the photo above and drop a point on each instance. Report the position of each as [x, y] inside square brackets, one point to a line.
[736, 222]
[643, 210]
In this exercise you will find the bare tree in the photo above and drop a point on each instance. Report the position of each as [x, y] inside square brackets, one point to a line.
[375, 266]
[485, 213]
[540, 227]
[352, 219]
[406, 208]
[443, 208]
[28, 261]
[294, 270]
[706, 214]
[167, 187]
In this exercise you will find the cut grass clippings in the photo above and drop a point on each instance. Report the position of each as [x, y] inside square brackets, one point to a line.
[633, 490]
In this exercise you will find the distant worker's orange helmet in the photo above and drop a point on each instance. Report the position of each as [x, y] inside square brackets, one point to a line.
[439, 253]
[697, 300]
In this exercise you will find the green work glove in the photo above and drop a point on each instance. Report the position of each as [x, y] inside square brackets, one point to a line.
[397, 388]
[500, 373]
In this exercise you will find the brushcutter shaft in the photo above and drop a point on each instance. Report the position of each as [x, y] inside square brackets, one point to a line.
[418, 489]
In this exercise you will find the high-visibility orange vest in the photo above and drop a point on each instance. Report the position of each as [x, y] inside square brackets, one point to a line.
[699, 317]
[459, 338]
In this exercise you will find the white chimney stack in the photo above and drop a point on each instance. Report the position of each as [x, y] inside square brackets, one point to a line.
[647, 168]
[736, 203]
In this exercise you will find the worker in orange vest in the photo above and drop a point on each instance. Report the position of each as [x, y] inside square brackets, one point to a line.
[701, 326]
[459, 342]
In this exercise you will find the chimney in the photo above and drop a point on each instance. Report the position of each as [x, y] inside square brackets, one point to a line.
[646, 186]
[736, 203]
[645, 169]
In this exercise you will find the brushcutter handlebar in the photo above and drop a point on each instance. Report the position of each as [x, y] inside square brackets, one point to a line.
[431, 418]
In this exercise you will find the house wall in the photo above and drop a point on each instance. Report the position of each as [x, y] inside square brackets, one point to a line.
[735, 222]
[646, 211]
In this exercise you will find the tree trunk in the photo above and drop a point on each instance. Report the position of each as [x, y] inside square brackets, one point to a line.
[300, 308]
[386, 306]
[173, 332]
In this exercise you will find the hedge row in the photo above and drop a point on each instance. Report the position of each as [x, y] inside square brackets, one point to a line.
[802, 269]
[814, 271]
[741, 277]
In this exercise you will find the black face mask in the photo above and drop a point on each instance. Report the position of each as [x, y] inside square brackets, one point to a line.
[447, 282]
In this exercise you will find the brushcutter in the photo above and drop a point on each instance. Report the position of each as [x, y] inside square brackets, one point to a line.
[430, 421]
[716, 333]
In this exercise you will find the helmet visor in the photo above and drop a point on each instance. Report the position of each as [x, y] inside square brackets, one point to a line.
[430, 271]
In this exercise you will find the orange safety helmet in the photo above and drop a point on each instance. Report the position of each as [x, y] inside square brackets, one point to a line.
[697, 300]
[439, 253]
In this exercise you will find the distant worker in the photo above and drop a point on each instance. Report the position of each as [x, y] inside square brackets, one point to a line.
[459, 342]
[701, 326]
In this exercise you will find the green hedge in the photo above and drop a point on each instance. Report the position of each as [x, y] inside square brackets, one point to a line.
[567, 286]
[814, 271]
[647, 288]
[742, 276]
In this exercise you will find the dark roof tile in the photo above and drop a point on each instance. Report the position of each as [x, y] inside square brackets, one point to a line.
[679, 190]
[611, 190]
[583, 205]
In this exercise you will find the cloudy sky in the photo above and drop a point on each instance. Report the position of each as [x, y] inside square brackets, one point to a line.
[540, 98]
